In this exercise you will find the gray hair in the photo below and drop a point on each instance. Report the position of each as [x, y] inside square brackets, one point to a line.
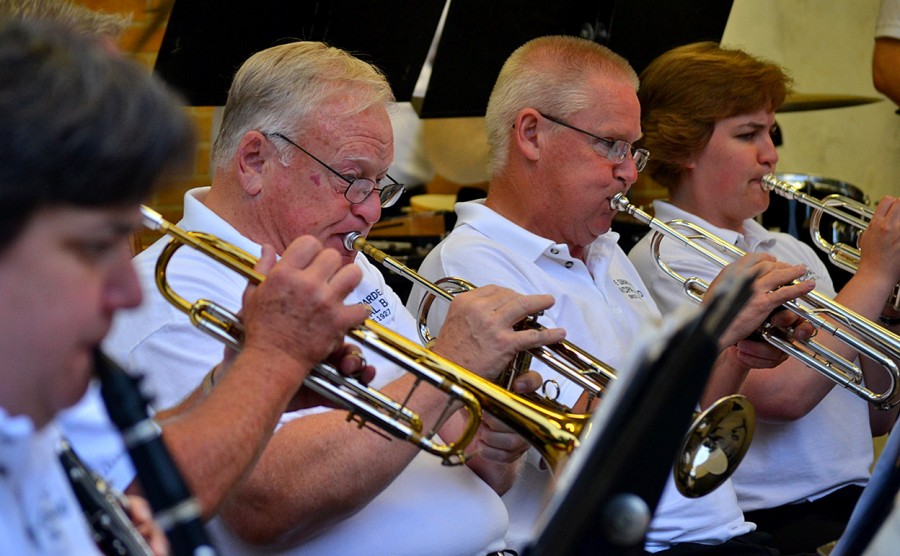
[549, 74]
[276, 89]
[66, 13]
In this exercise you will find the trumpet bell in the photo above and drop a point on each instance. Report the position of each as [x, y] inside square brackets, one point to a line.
[714, 446]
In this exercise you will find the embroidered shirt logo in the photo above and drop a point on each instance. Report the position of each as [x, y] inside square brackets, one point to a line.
[810, 274]
[627, 289]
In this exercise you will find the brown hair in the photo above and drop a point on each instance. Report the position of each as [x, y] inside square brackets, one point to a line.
[686, 90]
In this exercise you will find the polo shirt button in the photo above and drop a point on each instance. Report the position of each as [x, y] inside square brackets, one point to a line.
[569, 264]
[555, 251]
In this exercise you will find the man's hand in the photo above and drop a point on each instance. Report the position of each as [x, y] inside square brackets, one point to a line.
[297, 314]
[478, 333]
[349, 361]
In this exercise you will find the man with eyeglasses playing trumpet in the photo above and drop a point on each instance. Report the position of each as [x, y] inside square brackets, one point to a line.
[88, 135]
[560, 121]
[304, 148]
[708, 117]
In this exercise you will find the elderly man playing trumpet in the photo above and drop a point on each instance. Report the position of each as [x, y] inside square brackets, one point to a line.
[304, 148]
[65, 270]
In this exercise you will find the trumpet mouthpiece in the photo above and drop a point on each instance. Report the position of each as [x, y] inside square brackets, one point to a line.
[151, 219]
[619, 202]
[350, 241]
[770, 182]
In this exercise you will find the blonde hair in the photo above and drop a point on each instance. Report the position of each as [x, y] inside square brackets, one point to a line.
[549, 74]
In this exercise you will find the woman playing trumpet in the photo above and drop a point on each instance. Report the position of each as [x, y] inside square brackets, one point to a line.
[708, 115]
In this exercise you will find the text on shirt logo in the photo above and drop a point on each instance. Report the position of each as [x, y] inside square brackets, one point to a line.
[380, 310]
[627, 289]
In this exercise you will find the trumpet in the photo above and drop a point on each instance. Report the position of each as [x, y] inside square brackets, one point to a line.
[847, 210]
[564, 357]
[554, 434]
[867, 338]
[692, 471]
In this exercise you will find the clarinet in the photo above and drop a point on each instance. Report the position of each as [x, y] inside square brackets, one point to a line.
[111, 528]
[174, 507]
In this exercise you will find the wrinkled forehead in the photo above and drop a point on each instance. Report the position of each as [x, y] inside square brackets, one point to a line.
[339, 128]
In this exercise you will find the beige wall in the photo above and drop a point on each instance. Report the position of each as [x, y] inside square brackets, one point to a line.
[826, 46]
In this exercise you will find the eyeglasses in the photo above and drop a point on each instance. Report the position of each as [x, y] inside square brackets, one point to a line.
[616, 151]
[358, 189]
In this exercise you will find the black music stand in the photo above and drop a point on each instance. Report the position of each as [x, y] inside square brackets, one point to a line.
[207, 40]
[875, 504]
[610, 487]
[478, 36]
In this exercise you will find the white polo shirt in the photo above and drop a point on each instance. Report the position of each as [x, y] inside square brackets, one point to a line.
[806, 459]
[40, 512]
[429, 508]
[603, 304]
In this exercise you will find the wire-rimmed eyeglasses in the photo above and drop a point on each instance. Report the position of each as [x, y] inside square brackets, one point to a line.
[616, 151]
[358, 189]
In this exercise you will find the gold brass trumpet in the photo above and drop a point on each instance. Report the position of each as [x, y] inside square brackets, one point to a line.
[554, 434]
[707, 457]
[564, 357]
[839, 207]
[866, 337]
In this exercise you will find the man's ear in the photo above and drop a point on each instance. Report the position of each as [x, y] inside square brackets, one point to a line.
[526, 137]
[253, 153]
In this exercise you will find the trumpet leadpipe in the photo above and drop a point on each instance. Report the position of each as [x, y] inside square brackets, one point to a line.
[842, 208]
[788, 190]
[567, 359]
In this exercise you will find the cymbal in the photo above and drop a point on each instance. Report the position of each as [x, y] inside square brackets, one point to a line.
[801, 102]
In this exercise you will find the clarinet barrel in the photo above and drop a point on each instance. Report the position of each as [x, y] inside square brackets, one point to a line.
[174, 507]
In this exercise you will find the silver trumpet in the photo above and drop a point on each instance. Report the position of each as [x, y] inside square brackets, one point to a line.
[839, 207]
[866, 337]
[564, 357]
